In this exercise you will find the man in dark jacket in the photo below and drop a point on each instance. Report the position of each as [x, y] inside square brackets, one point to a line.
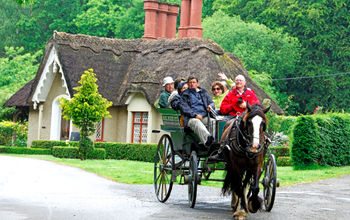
[194, 104]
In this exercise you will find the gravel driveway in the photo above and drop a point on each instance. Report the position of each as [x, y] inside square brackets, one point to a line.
[36, 189]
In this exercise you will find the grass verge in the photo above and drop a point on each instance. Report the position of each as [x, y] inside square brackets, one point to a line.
[135, 172]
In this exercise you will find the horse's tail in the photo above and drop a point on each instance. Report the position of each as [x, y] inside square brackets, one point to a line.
[227, 186]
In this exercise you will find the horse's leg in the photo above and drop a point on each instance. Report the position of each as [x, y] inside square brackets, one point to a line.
[234, 201]
[254, 203]
[241, 211]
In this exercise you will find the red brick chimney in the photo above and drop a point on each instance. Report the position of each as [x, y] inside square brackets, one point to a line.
[160, 19]
[151, 9]
[191, 19]
[173, 11]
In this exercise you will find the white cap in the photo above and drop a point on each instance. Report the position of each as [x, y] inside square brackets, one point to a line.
[167, 80]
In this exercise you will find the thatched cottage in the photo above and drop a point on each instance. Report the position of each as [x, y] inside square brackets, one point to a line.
[129, 74]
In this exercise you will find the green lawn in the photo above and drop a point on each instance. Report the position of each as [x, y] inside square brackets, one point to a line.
[134, 172]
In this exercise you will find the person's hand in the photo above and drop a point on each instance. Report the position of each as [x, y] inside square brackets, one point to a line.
[199, 117]
[222, 76]
[208, 108]
[243, 105]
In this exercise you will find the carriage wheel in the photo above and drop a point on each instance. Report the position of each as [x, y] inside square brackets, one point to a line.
[193, 179]
[164, 164]
[269, 182]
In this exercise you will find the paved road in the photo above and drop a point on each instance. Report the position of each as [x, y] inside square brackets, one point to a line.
[42, 190]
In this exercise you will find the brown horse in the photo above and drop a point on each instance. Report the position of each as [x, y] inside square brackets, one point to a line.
[244, 152]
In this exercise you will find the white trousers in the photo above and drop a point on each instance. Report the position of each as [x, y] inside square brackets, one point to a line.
[199, 128]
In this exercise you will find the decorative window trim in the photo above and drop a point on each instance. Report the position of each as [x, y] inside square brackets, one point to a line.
[141, 123]
[102, 131]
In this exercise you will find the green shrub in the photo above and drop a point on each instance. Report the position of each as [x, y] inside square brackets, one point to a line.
[13, 134]
[65, 152]
[97, 153]
[334, 143]
[284, 161]
[140, 152]
[279, 123]
[50, 143]
[24, 150]
[305, 141]
[281, 151]
[322, 139]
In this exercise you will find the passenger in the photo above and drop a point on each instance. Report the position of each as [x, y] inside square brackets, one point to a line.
[194, 104]
[219, 93]
[168, 84]
[235, 102]
[175, 92]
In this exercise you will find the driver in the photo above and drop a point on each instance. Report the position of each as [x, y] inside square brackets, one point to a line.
[235, 102]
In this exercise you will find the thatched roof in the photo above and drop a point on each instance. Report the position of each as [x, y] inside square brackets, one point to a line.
[125, 66]
[19, 99]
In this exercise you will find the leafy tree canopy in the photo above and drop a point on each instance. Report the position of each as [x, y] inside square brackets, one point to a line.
[265, 53]
[322, 29]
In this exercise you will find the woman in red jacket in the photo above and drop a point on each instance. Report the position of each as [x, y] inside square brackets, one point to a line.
[235, 102]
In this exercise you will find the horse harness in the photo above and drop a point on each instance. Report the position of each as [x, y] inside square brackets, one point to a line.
[236, 145]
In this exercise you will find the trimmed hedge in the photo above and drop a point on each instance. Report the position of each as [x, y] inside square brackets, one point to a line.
[65, 152]
[113, 150]
[284, 161]
[97, 154]
[73, 152]
[282, 155]
[24, 150]
[139, 152]
[322, 140]
[49, 144]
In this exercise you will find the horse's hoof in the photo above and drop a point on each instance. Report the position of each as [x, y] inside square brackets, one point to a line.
[239, 215]
[254, 205]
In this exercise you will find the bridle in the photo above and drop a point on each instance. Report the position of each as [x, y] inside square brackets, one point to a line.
[236, 134]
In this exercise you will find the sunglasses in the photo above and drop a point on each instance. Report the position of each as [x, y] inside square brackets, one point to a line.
[217, 88]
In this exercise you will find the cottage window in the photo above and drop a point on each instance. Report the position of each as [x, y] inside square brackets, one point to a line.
[139, 127]
[99, 130]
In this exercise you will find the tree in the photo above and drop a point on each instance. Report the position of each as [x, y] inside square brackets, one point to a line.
[38, 21]
[16, 69]
[112, 18]
[22, 2]
[322, 29]
[85, 109]
[262, 50]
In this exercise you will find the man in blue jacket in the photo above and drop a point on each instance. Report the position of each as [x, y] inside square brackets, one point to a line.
[195, 103]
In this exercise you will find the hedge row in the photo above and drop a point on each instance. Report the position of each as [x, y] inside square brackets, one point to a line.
[128, 151]
[73, 152]
[49, 144]
[24, 150]
[139, 152]
[322, 140]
